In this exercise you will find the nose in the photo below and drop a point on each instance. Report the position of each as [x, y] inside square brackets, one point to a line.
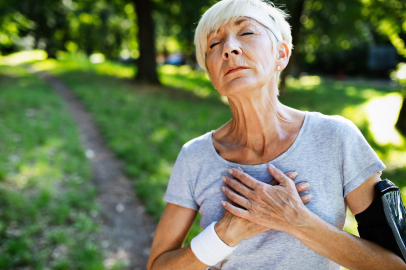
[231, 48]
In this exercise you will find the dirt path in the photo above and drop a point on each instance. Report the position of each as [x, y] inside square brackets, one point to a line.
[127, 231]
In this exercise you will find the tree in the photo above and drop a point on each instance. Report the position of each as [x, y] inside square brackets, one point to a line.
[146, 62]
[296, 8]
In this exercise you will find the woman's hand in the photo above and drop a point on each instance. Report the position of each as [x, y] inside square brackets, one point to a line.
[274, 207]
[232, 229]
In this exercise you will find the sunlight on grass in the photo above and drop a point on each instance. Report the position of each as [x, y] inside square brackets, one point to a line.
[184, 77]
[382, 113]
[23, 57]
[39, 172]
[304, 82]
[47, 202]
[45, 65]
[309, 80]
[351, 223]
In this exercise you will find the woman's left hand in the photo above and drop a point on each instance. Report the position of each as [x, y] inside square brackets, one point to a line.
[277, 207]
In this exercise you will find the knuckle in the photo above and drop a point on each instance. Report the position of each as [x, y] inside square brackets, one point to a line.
[237, 188]
[255, 197]
[249, 205]
[261, 188]
[233, 185]
[243, 176]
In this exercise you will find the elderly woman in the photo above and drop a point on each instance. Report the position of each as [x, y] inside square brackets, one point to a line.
[246, 177]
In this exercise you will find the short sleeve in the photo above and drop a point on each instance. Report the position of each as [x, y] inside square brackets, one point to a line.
[179, 189]
[358, 161]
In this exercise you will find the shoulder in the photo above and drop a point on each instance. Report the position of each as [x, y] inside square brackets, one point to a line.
[327, 125]
[332, 122]
[198, 146]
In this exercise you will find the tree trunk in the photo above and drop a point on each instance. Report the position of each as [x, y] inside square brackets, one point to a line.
[146, 62]
[296, 25]
[401, 123]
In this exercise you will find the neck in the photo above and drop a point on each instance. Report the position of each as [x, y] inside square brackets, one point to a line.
[259, 120]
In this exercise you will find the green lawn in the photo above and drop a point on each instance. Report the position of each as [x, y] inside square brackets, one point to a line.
[47, 202]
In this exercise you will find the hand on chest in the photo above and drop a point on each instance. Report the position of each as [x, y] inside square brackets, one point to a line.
[326, 194]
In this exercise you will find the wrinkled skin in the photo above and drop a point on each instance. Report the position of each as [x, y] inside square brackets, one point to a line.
[233, 226]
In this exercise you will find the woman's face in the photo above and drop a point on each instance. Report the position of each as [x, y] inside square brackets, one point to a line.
[245, 43]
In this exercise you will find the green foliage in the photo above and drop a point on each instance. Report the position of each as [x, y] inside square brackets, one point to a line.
[399, 74]
[179, 18]
[330, 26]
[388, 17]
[56, 25]
[46, 199]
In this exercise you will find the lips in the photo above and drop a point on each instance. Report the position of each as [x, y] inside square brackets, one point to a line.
[234, 68]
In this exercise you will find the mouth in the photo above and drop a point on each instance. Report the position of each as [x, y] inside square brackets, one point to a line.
[234, 69]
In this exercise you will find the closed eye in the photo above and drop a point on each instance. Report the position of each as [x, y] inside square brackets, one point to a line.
[247, 33]
[214, 44]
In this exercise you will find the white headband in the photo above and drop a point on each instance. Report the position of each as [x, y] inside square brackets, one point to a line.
[261, 17]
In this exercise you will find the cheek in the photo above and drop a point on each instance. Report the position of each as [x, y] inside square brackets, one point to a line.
[213, 67]
[261, 54]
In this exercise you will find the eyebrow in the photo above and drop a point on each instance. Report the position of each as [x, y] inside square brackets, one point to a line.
[237, 23]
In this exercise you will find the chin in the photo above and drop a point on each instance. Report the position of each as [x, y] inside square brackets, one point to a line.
[239, 85]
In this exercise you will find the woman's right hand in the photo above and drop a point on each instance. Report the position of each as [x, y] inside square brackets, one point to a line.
[232, 229]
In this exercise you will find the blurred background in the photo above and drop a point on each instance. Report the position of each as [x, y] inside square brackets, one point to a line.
[133, 65]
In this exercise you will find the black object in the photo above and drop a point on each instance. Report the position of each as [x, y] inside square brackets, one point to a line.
[384, 221]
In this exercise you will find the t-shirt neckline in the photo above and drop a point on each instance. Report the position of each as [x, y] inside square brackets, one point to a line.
[263, 165]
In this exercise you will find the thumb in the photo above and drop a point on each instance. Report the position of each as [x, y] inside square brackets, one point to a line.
[279, 176]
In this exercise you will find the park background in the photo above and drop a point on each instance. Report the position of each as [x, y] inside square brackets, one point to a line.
[132, 64]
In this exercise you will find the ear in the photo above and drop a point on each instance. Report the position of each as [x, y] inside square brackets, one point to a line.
[283, 55]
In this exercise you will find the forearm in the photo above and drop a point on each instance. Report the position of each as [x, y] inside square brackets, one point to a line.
[344, 248]
[179, 259]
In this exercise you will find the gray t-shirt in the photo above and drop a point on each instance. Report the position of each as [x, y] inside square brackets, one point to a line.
[330, 153]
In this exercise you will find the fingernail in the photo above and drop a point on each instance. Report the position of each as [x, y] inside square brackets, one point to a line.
[304, 185]
[223, 203]
[294, 174]
[223, 178]
[239, 168]
[223, 188]
[230, 171]
[307, 197]
[270, 165]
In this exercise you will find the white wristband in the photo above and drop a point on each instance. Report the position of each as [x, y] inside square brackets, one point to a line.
[209, 248]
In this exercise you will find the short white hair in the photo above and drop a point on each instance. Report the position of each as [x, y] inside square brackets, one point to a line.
[229, 10]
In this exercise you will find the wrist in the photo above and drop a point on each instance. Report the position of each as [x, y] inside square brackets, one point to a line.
[209, 248]
[308, 222]
[221, 230]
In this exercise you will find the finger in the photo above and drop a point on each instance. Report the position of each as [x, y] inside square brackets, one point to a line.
[244, 178]
[300, 187]
[291, 175]
[236, 211]
[234, 197]
[237, 186]
[279, 175]
[306, 198]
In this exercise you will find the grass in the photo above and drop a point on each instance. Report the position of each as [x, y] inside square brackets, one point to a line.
[146, 128]
[47, 203]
